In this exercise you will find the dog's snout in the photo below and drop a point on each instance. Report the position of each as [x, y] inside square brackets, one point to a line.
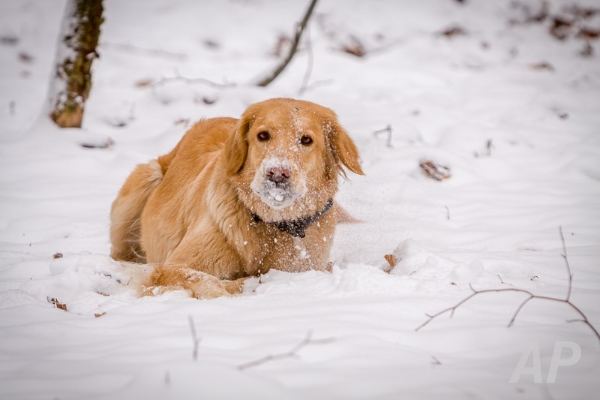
[278, 174]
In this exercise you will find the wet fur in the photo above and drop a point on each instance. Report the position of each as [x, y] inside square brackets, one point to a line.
[189, 213]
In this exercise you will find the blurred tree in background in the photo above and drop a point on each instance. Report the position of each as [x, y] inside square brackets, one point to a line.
[76, 52]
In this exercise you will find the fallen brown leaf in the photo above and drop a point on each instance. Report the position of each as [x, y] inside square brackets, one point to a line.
[25, 57]
[182, 121]
[144, 82]
[329, 267]
[583, 12]
[57, 303]
[390, 259]
[543, 65]
[560, 28]
[588, 33]
[454, 31]
[104, 145]
[355, 49]
[435, 171]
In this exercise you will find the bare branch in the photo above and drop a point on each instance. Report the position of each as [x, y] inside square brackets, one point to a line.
[286, 61]
[293, 352]
[502, 280]
[451, 309]
[387, 129]
[195, 338]
[489, 145]
[532, 296]
[512, 321]
[564, 246]
[179, 78]
[585, 321]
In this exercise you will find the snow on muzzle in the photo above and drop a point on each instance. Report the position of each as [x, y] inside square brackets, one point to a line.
[279, 182]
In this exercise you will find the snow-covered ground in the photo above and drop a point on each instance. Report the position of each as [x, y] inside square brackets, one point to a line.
[511, 110]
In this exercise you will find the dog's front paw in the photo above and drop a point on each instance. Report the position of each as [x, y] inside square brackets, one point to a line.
[173, 277]
[204, 286]
[234, 287]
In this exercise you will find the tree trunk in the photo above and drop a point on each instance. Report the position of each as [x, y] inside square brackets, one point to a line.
[76, 52]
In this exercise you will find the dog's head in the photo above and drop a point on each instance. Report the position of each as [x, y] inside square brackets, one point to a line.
[285, 157]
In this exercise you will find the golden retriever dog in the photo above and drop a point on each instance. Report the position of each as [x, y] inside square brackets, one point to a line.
[236, 198]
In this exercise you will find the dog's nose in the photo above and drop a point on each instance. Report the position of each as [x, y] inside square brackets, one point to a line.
[278, 174]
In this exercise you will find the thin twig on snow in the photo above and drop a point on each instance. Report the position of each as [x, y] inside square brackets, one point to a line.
[531, 296]
[293, 352]
[387, 129]
[196, 340]
[180, 78]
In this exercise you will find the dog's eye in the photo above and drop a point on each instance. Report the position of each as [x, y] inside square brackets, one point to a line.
[306, 140]
[263, 136]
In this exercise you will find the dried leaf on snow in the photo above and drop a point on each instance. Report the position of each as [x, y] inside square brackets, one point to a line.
[435, 171]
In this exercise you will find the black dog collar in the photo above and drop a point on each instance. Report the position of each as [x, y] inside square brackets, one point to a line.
[296, 227]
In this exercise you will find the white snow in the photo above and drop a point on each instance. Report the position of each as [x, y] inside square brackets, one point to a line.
[522, 145]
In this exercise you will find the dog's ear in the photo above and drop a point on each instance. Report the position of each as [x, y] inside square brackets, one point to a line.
[236, 148]
[341, 146]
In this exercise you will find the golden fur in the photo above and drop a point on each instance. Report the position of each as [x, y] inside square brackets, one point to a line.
[191, 212]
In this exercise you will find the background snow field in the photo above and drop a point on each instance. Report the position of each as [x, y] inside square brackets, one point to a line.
[510, 109]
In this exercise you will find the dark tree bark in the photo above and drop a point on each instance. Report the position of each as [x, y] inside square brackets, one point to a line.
[76, 52]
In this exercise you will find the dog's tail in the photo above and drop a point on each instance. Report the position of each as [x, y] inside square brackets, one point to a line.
[126, 212]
